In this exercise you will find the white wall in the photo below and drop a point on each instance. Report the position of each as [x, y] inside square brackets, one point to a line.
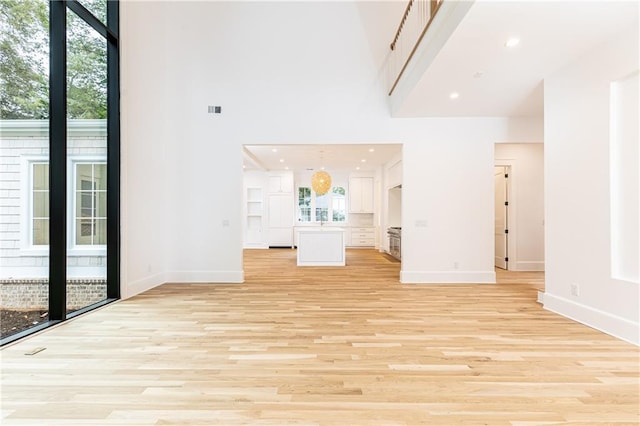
[146, 168]
[282, 76]
[526, 203]
[625, 179]
[577, 195]
[447, 196]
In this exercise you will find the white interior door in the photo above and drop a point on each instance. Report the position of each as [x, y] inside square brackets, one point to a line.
[501, 228]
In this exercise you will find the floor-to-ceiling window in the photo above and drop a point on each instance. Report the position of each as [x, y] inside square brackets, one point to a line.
[59, 161]
[24, 164]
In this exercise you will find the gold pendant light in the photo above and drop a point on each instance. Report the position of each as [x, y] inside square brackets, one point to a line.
[321, 182]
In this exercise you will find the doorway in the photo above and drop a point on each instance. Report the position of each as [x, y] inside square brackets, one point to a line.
[501, 222]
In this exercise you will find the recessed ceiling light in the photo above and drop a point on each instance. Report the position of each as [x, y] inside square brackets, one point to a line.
[282, 160]
[274, 149]
[364, 160]
[357, 168]
[322, 168]
[244, 167]
[454, 95]
[512, 42]
[371, 149]
[286, 168]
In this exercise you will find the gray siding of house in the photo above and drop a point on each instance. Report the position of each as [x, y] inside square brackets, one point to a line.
[29, 139]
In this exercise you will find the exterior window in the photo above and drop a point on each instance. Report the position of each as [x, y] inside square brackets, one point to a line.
[338, 205]
[304, 204]
[329, 207]
[322, 207]
[91, 204]
[40, 204]
[60, 141]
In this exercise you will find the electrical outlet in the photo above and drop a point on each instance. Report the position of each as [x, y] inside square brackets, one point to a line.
[575, 290]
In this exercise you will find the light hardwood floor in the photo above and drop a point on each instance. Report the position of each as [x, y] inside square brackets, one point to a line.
[323, 346]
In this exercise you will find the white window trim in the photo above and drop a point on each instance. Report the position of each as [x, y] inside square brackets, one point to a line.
[74, 249]
[27, 248]
[314, 220]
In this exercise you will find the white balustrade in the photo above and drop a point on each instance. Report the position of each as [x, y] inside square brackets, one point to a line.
[414, 23]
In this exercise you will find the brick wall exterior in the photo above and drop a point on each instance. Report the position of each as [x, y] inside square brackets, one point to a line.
[34, 294]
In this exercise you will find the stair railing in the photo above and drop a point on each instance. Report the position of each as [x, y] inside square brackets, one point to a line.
[414, 24]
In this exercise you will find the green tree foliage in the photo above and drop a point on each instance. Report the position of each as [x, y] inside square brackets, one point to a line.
[24, 62]
[86, 70]
[24, 53]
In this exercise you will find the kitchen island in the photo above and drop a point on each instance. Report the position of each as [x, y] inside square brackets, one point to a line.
[321, 247]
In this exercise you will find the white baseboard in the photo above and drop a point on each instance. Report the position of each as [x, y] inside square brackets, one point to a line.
[527, 266]
[446, 277]
[594, 318]
[139, 286]
[205, 277]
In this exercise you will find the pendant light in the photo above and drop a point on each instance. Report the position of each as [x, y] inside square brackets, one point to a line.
[321, 180]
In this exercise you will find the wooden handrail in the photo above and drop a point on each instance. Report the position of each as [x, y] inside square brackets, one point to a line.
[434, 6]
[402, 21]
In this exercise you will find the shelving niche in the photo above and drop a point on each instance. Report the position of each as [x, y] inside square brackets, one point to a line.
[254, 217]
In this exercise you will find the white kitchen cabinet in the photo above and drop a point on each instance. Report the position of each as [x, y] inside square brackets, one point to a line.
[361, 195]
[321, 247]
[362, 237]
[281, 183]
[395, 175]
[280, 220]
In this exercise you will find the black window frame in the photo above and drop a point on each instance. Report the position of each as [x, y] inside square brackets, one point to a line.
[58, 158]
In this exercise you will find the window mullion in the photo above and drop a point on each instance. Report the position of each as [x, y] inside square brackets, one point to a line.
[57, 160]
[94, 205]
[113, 151]
[90, 19]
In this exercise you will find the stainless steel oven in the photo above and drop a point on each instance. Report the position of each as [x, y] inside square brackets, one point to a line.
[395, 235]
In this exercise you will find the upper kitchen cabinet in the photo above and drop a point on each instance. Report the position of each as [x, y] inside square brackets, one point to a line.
[281, 182]
[361, 195]
[394, 174]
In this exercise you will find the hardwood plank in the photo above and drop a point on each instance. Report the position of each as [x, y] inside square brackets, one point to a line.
[323, 346]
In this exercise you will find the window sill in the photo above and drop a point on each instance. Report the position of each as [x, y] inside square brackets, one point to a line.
[86, 252]
[328, 224]
[74, 252]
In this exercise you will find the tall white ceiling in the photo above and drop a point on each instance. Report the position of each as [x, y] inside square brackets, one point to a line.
[314, 157]
[491, 79]
[494, 80]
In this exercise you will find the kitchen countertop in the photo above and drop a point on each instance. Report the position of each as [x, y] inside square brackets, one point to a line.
[320, 229]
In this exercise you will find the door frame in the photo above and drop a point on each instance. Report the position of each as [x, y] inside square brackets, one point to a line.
[512, 239]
